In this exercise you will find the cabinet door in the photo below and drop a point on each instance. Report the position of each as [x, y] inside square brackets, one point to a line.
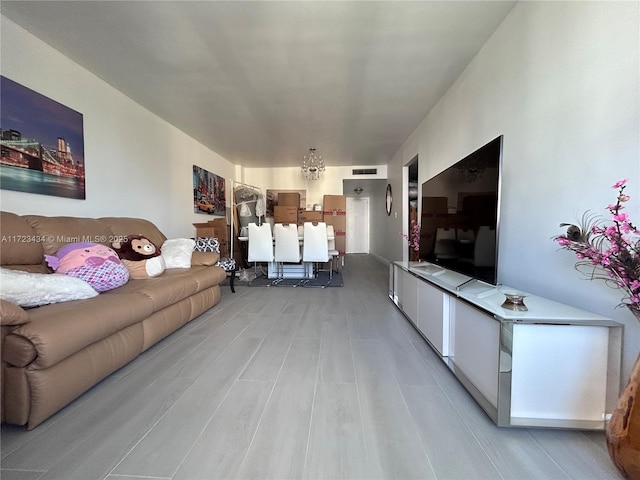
[475, 348]
[559, 371]
[433, 316]
[408, 295]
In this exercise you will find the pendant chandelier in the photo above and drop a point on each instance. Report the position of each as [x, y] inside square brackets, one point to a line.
[312, 165]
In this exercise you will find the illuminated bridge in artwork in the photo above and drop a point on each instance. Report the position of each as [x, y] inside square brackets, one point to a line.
[31, 154]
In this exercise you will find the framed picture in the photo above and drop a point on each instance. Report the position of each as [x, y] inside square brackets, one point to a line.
[42, 144]
[209, 194]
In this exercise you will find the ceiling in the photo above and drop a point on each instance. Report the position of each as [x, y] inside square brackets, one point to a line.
[262, 82]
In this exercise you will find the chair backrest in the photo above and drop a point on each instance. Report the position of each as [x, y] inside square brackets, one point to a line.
[260, 243]
[445, 245]
[287, 243]
[331, 233]
[465, 235]
[485, 247]
[315, 247]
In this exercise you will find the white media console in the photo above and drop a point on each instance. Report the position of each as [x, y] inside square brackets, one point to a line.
[550, 366]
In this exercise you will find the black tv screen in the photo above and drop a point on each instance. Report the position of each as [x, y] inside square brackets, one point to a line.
[460, 213]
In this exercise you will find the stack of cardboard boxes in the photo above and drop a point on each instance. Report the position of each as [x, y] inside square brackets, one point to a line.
[335, 213]
[309, 216]
[286, 211]
[218, 228]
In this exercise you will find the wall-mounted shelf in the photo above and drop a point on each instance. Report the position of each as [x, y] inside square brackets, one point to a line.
[550, 366]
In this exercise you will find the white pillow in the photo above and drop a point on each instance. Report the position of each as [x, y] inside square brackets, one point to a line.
[177, 252]
[35, 289]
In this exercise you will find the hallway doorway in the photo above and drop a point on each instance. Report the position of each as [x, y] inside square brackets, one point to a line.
[357, 225]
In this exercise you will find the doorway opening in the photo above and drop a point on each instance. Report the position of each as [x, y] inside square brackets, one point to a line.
[413, 232]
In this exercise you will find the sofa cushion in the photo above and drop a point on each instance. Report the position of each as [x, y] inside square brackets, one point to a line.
[58, 231]
[59, 330]
[204, 258]
[20, 242]
[12, 314]
[173, 285]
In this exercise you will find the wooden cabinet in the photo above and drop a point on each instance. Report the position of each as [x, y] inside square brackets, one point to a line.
[550, 366]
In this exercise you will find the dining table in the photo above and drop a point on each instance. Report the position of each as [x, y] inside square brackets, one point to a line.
[290, 270]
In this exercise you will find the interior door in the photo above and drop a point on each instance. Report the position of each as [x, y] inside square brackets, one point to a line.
[357, 225]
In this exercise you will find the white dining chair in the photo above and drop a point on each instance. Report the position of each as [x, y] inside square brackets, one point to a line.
[333, 253]
[287, 249]
[260, 243]
[315, 247]
[445, 244]
[485, 247]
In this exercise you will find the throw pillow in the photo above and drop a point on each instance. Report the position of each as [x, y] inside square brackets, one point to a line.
[94, 263]
[177, 252]
[34, 289]
[207, 244]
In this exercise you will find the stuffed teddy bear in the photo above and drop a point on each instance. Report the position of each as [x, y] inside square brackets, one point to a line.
[140, 256]
[96, 264]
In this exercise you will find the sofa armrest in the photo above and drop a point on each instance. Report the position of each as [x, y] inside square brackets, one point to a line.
[204, 258]
[12, 314]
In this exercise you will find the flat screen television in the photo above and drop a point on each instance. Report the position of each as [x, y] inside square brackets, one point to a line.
[460, 215]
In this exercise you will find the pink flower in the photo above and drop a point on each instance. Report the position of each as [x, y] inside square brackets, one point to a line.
[609, 252]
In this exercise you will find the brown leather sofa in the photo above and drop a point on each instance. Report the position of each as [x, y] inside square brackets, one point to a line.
[53, 353]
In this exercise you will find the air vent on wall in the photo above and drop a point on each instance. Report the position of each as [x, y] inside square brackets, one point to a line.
[364, 171]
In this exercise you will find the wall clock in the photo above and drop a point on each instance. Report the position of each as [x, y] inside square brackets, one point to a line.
[389, 199]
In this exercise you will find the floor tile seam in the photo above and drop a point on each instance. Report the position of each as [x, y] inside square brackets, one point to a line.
[222, 351]
[453, 406]
[35, 470]
[470, 428]
[416, 430]
[183, 356]
[334, 382]
[264, 408]
[44, 428]
[367, 452]
[146, 434]
[220, 403]
[176, 401]
[140, 477]
[407, 410]
[544, 450]
[424, 362]
[311, 416]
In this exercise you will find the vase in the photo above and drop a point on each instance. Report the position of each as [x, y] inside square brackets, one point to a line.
[623, 428]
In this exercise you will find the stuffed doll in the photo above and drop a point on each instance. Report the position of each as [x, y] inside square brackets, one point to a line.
[96, 264]
[140, 256]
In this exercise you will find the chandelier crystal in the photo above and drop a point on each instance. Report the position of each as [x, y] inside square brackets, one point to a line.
[312, 165]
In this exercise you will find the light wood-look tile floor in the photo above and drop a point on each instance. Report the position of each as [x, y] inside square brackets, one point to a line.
[276, 383]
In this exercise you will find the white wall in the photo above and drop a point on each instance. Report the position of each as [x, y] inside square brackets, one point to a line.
[136, 163]
[561, 81]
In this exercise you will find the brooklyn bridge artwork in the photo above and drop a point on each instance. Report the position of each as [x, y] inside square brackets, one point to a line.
[41, 142]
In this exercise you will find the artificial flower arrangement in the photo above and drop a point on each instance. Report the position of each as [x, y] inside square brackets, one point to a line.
[609, 252]
[413, 238]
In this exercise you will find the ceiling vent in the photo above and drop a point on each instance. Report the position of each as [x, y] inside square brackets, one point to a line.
[364, 171]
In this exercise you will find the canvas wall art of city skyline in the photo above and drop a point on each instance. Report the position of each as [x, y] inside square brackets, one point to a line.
[42, 144]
